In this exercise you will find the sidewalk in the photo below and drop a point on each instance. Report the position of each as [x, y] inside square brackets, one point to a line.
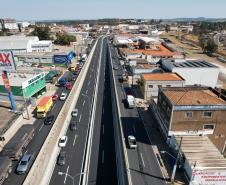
[158, 142]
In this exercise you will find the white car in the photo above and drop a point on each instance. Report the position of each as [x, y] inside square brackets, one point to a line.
[63, 141]
[74, 113]
[63, 96]
[132, 142]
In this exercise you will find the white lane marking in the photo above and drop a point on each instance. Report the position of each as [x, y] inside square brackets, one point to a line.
[66, 174]
[80, 118]
[54, 106]
[74, 139]
[86, 91]
[40, 128]
[142, 159]
[102, 157]
[83, 102]
[134, 130]
[25, 152]
[103, 130]
[88, 82]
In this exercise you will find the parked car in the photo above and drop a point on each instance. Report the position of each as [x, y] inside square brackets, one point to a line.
[40, 66]
[63, 96]
[73, 78]
[24, 163]
[115, 67]
[49, 120]
[53, 67]
[61, 158]
[74, 113]
[63, 141]
[55, 97]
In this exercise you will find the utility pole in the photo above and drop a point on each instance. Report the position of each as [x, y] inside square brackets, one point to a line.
[175, 165]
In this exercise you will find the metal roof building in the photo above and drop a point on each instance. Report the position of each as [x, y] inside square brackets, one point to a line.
[194, 71]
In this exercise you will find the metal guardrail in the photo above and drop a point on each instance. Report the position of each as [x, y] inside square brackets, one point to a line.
[122, 163]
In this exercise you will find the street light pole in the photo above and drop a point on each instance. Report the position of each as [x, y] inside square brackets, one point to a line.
[72, 177]
[175, 165]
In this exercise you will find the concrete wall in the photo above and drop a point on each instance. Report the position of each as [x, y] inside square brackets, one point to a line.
[153, 91]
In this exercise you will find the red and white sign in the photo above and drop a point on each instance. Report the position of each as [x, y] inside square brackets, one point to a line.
[7, 61]
[208, 177]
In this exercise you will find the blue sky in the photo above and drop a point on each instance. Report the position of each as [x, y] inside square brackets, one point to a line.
[94, 9]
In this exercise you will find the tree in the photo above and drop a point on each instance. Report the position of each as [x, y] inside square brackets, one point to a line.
[64, 39]
[211, 47]
[43, 33]
[203, 42]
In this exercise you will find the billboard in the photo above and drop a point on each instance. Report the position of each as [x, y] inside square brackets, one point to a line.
[208, 177]
[61, 59]
[7, 61]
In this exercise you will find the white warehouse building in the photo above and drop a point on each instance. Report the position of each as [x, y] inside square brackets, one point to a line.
[23, 44]
[195, 72]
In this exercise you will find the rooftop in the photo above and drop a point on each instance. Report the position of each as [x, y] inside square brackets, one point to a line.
[162, 77]
[163, 51]
[196, 148]
[192, 96]
[192, 64]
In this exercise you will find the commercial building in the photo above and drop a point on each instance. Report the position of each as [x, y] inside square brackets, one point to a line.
[150, 83]
[23, 44]
[25, 84]
[9, 24]
[202, 161]
[193, 111]
[195, 72]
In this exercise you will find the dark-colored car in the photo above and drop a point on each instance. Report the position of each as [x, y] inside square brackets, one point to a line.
[49, 120]
[61, 158]
[73, 126]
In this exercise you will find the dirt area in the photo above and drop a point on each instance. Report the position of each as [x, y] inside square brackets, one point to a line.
[6, 116]
[192, 53]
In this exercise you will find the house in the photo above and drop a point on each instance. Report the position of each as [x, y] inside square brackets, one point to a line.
[193, 111]
[151, 55]
[150, 83]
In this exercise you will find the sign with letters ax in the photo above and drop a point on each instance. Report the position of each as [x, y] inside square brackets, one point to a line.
[7, 61]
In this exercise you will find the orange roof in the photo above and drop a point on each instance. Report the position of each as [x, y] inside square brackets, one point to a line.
[163, 51]
[44, 100]
[193, 96]
[162, 77]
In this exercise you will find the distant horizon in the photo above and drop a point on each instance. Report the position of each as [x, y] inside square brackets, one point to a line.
[99, 9]
[71, 19]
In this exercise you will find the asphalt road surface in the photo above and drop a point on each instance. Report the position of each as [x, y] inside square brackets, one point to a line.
[143, 164]
[103, 164]
[41, 132]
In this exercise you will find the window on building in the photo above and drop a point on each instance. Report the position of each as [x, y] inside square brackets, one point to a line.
[150, 86]
[207, 114]
[188, 114]
[168, 85]
[209, 126]
[159, 86]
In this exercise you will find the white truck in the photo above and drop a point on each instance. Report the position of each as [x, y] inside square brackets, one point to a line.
[130, 101]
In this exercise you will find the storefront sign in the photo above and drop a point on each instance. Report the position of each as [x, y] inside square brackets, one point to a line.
[7, 61]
